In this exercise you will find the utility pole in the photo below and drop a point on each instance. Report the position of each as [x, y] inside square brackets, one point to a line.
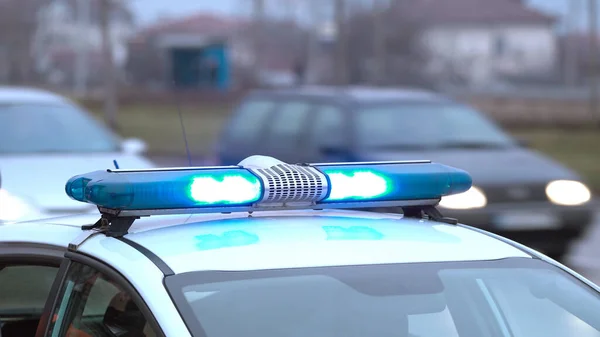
[341, 68]
[81, 64]
[259, 17]
[379, 40]
[593, 58]
[110, 83]
[313, 38]
[570, 46]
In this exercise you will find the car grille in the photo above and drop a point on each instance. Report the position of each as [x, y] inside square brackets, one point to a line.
[515, 193]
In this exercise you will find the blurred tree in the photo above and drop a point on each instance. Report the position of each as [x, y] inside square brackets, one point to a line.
[25, 29]
[119, 11]
[394, 57]
[379, 39]
[110, 82]
[341, 43]
[258, 36]
[19, 23]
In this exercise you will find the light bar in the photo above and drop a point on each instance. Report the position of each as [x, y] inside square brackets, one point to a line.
[393, 181]
[264, 183]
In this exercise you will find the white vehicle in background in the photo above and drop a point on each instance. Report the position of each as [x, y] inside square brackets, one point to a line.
[46, 138]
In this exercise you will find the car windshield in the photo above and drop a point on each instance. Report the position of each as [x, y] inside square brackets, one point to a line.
[51, 128]
[427, 125]
[517, 297]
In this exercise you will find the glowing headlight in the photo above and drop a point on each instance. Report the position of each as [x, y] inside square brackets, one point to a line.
[568, 193]
[13, 208]
[473, 198]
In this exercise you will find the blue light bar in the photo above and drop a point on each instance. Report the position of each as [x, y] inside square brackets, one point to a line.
[166, 189]
[263, 183]
[392, 181]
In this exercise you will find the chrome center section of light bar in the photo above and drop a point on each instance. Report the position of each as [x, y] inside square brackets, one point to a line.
[290, 184]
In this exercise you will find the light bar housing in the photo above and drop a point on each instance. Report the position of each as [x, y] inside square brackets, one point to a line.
[263, 183]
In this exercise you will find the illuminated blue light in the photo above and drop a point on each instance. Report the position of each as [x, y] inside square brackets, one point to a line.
[352, 233]
[357, 184]
[389, 181]
[168, 189]
[216, 189]
[229, 189]
[227, 240]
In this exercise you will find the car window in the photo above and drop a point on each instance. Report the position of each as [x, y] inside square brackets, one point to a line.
[249, 120]
[500, 298]
[91, 304]
[23, 297]
[288, 123]
[400, 125]
[521, 308]
[51, 128]
[329, 126]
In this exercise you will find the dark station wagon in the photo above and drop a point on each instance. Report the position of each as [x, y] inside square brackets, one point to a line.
[517, 192]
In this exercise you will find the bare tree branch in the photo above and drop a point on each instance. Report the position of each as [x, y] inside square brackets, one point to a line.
[110, 83]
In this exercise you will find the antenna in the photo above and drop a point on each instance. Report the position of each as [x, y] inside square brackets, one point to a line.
[187, 148]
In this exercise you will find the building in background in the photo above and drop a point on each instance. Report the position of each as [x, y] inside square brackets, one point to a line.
[180, 53]
[484, 42]
[184, 53]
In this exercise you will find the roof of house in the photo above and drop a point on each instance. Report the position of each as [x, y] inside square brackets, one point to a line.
[279, 53]
[200, 23]
[472, 11]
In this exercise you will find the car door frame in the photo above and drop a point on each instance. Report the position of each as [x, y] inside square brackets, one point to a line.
[280, 100]
[353, 111]
[38, 254]
[68, 258]
[225, 135]
[311, 147]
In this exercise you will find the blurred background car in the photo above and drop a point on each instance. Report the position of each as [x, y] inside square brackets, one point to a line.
[44, 140]
[517, 192]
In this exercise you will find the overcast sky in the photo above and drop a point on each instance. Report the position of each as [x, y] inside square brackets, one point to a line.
[149, 10]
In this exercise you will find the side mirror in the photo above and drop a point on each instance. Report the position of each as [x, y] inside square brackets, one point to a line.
[134, 146]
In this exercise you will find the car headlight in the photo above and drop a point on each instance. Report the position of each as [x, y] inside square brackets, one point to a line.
[568, 193]
[13, 208]
[473, 198]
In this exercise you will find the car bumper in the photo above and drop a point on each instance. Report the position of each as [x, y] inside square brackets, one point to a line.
[542, 226]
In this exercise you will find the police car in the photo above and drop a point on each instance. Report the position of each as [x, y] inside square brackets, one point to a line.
[266, 248]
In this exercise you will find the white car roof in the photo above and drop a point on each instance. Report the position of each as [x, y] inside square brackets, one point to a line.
[9, 94]
[274, 240]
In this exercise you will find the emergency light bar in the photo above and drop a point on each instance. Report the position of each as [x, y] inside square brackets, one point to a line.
[264, 183]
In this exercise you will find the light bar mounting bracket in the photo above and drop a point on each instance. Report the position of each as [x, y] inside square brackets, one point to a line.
[111, 224]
